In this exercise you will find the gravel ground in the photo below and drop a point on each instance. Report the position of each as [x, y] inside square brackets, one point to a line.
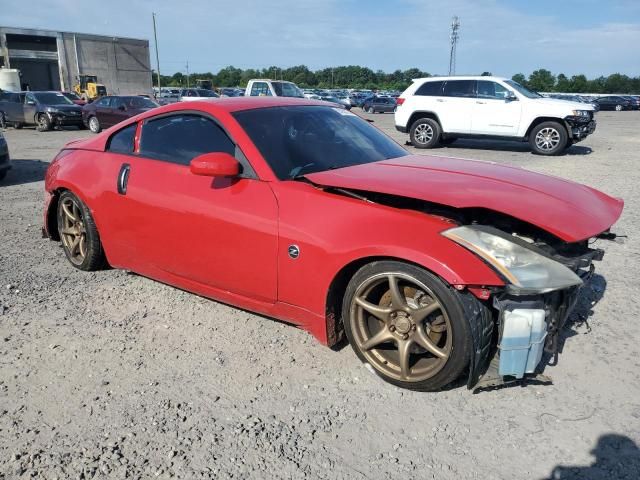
[112, 375]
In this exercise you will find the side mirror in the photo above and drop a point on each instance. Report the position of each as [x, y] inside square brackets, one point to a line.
[215, 165]
[511, 97]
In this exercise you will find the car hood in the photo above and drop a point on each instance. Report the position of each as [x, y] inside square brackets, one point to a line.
[568, 104]
[568, 210]
[67, 108]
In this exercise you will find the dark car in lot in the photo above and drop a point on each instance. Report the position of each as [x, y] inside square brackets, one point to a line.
[5, 161]
[379, 105]
[635, 101]
[45, 110]
[112, 109]
[614, 102]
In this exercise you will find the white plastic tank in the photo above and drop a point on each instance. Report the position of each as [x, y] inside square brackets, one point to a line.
[10, 79]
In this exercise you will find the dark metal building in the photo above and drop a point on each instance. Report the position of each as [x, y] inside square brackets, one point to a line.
[50, 60]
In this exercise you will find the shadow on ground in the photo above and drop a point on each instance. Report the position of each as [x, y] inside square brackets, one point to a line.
[506, 146]
[24, 171]
[616, 457]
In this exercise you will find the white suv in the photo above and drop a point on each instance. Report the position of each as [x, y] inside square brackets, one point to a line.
[438, 110]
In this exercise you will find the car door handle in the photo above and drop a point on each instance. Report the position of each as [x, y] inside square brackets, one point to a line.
[481, 103]
[439, 100]
[123, 178]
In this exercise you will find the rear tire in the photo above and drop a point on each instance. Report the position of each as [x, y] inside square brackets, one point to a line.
[371, 110]
[427, 327]
[79, 234]
[425, 133]
[618, 108]
[548, 138]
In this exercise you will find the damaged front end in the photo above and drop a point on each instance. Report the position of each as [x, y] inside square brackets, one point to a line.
[543, 280]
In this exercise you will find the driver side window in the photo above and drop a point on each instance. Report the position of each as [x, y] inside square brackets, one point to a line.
[488, 89]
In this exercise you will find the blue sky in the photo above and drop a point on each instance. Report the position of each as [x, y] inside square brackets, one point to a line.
[594, 37]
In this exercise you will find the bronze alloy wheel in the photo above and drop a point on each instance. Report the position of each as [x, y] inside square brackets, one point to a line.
[79, 234]
[400, 327]
[72, 230]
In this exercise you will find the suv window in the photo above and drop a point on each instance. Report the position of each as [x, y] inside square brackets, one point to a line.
[260, 88]
[488, 89]
[430, 89]
[181, 138]
[460, 88]
[122, 141]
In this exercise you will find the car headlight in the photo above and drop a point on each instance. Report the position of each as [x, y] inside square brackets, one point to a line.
[526, 270]
[581, 113]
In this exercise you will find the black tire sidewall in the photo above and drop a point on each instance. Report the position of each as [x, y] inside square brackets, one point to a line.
[462, 344]
[562, 145]
[437, 132]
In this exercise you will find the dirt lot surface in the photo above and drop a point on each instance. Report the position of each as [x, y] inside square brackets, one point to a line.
[112, 375]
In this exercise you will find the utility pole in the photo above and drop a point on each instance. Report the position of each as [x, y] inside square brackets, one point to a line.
[455, 26]
[155, 36]
[187, 73]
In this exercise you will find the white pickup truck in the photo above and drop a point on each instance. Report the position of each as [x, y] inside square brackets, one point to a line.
[272, 88]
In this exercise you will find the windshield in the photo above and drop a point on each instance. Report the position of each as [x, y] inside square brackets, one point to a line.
[285, 89]
[523, 90]
[306, 139]
[142, 102]
[206, 93]
[52, 98]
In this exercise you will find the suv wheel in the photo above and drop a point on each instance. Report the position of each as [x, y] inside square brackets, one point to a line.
[425, 133]
[548, 138]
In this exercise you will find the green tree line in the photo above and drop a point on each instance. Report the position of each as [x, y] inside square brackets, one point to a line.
[353, 76]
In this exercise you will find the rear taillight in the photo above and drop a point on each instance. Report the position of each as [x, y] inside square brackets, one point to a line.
[399, 100]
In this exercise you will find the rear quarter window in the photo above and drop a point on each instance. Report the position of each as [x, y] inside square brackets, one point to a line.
[430, 89]
[123, 140]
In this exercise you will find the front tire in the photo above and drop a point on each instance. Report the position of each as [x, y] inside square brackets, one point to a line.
[618, 108]
[370, 110]
[407, 324]
[43, 123]
[425, 133]
[94, 124]
[548, 138]
[79, 234]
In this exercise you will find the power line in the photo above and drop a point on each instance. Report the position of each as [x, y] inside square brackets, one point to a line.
[455, 26]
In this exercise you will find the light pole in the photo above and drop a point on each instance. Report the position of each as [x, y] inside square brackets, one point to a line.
[155, 36]
[455, 26]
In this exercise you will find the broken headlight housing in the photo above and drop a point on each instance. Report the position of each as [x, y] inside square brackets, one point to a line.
[526, 270]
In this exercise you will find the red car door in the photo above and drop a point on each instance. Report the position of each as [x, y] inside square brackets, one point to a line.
[218, 232]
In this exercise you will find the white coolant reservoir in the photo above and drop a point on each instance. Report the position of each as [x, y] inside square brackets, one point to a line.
[522, 343]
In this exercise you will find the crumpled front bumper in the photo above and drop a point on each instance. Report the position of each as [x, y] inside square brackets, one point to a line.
[580, 127]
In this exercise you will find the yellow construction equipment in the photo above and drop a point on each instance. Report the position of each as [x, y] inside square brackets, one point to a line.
[88, 88]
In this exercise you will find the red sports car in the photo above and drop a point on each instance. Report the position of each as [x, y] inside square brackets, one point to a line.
[305, 212]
